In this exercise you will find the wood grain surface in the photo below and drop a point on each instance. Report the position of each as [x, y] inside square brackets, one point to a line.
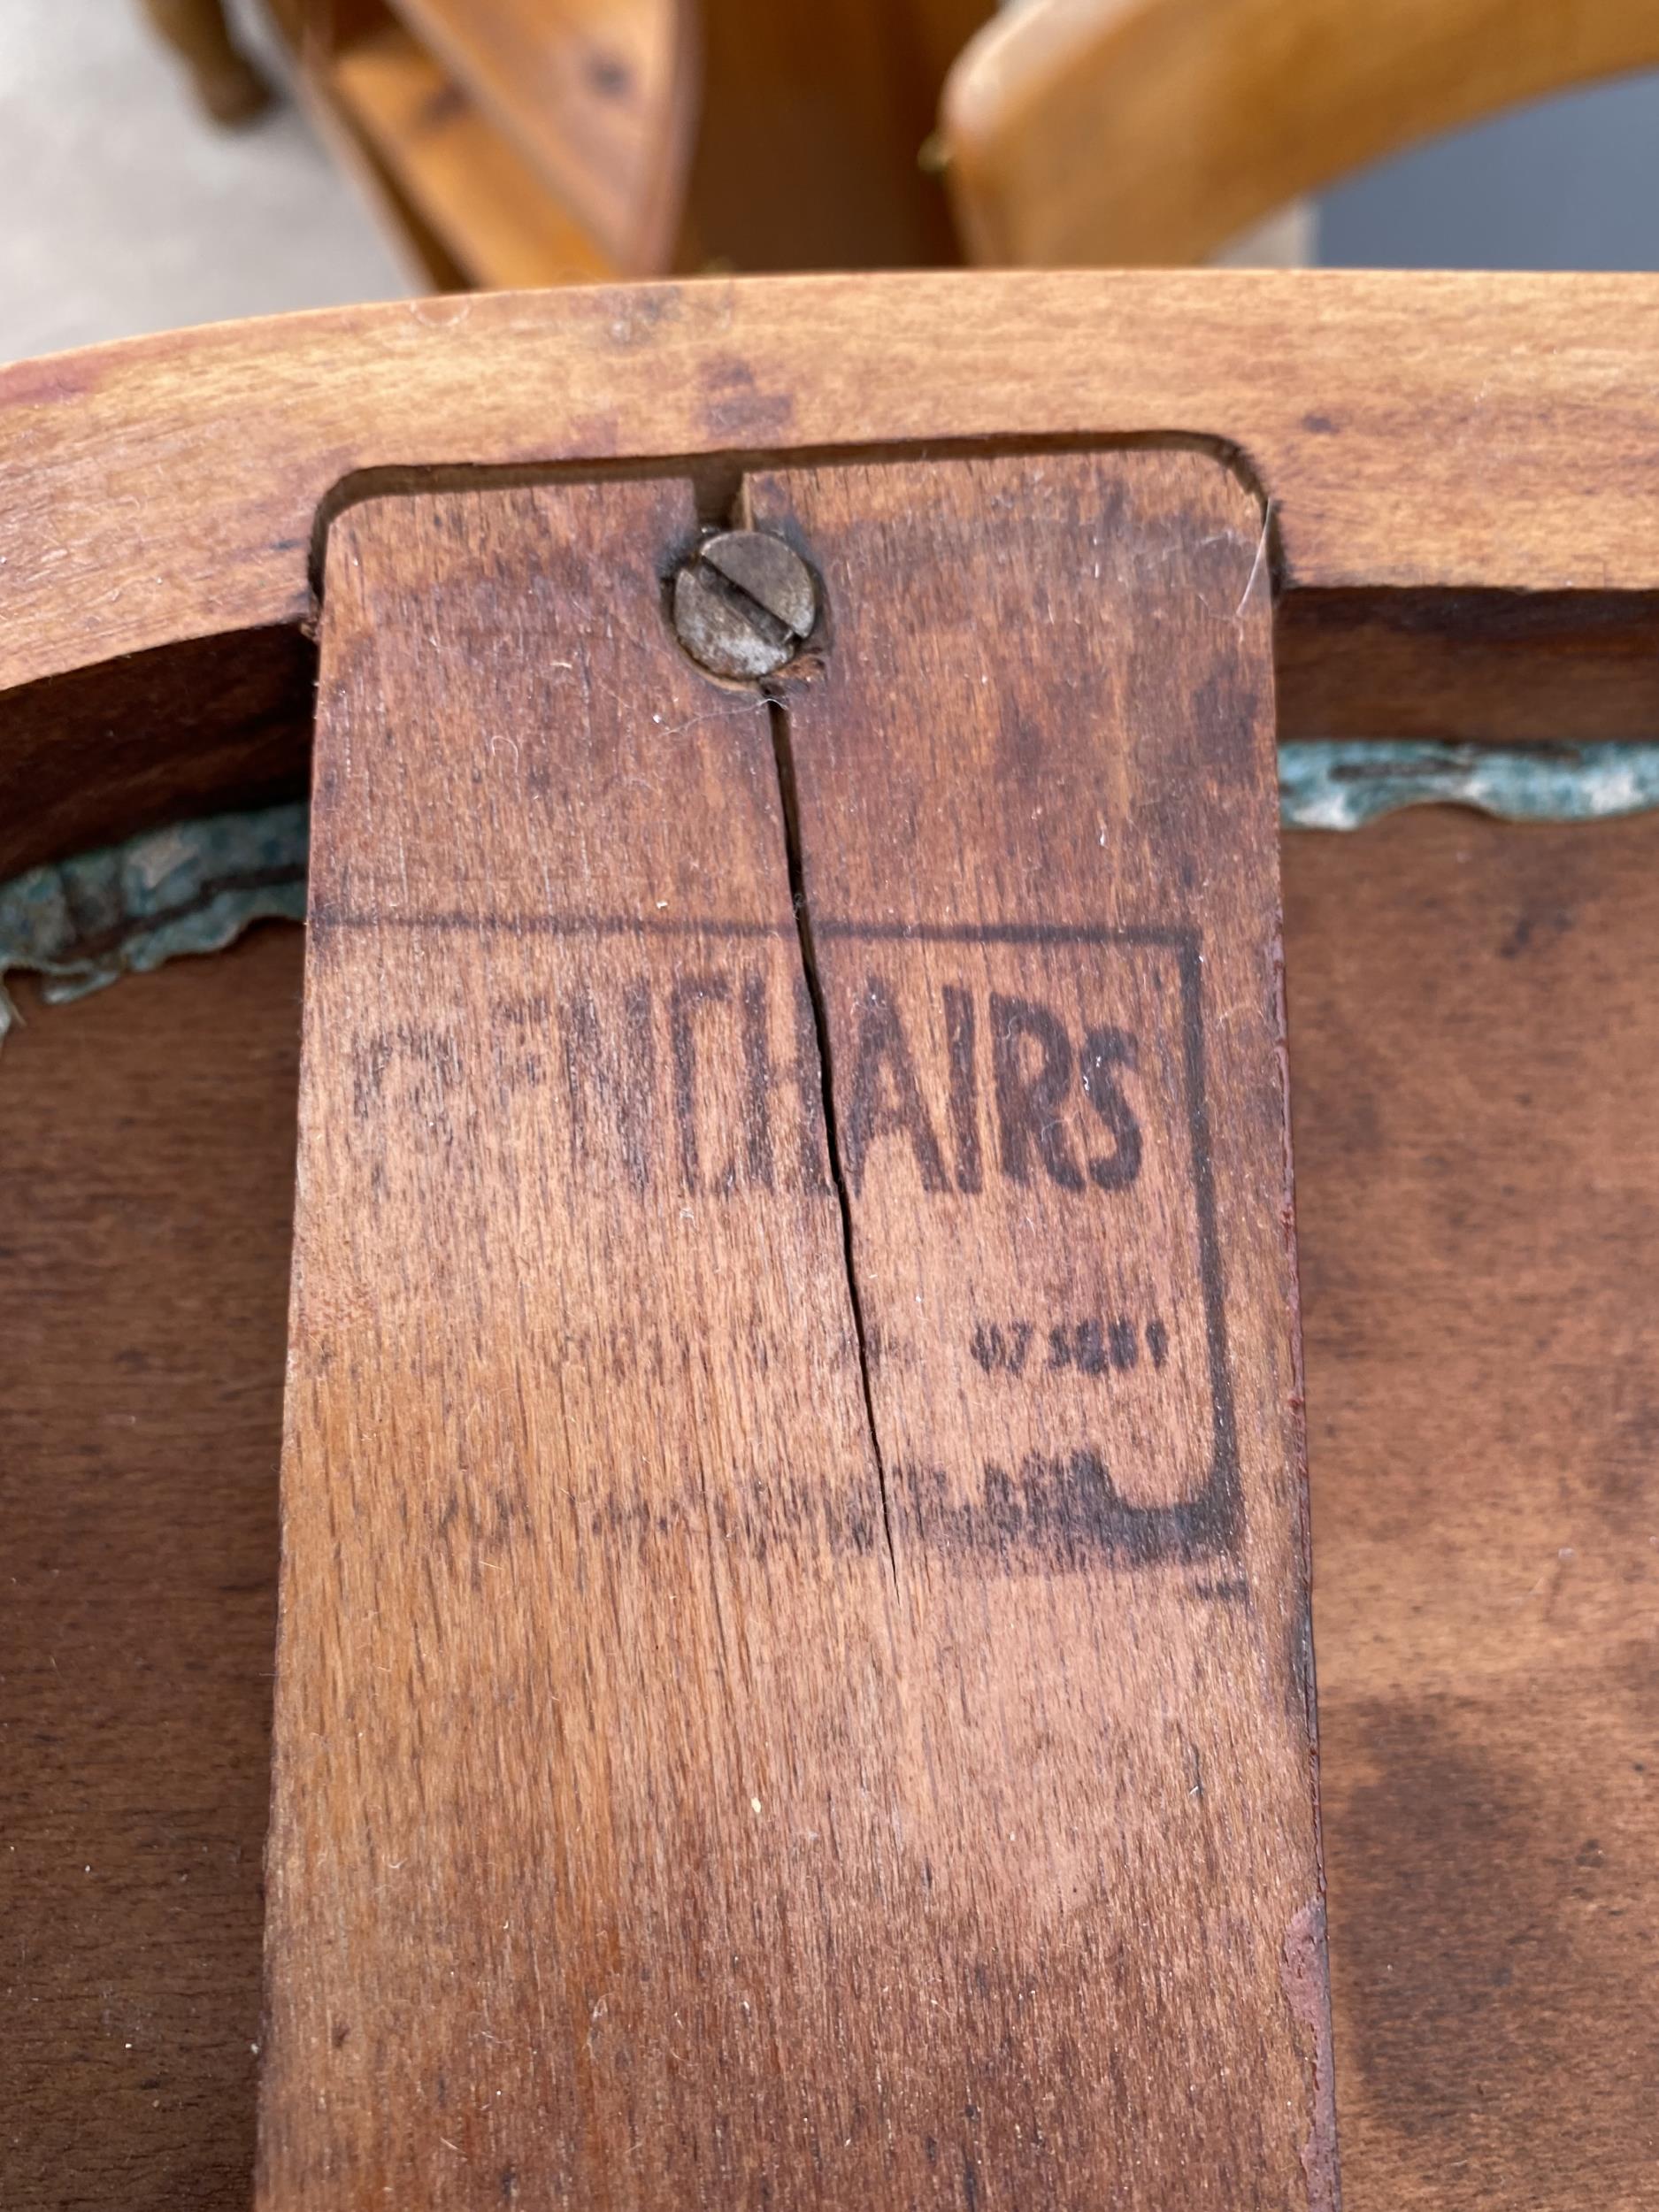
[669, 135]
[1472, 1044]
[146, 1195]
[1472, 1047]
[1462, 461]
[472, 187]
[694, 1783]
[1037, 821]
[584, 89]
[807, 127]
[1472, 1038]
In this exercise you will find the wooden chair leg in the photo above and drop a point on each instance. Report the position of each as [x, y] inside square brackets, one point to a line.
[226, 83]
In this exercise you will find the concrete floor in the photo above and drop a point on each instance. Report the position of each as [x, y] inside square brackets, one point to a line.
[126, 210]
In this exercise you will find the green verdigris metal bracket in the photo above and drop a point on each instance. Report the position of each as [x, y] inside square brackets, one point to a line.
[195, 887]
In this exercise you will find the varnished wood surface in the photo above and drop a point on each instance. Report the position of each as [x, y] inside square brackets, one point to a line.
[471, 188]
[1039, 760]
[669, 135]
[1151, 133]
[1461, 463]
[1498, 1967]
[807, 127]
[1471, 1046]
[587, 91]
[693, 1784]
[593, 1582]
[146, 1188]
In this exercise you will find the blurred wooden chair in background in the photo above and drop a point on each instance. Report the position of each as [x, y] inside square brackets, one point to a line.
[226, 83]
[538, 142]
[1153, 132]
[544, 142]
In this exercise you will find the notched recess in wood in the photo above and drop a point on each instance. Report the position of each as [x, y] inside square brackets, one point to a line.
[1351, 660]
[717, 480]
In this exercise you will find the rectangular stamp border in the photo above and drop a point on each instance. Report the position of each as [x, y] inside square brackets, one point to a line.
[1208, 1524]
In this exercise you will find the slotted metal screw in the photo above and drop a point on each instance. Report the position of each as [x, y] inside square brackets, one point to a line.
[744, 603]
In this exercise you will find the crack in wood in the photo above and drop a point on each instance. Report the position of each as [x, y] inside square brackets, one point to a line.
[783, 755]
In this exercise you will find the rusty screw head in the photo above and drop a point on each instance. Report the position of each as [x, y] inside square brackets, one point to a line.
[743, 603]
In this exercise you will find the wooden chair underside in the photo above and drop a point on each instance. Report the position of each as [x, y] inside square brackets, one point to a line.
[1458, 477]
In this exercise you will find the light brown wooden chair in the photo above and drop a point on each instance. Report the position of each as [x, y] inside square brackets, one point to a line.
[582, 1610]
[535, 142]
[538, 142]
[1154, 132]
